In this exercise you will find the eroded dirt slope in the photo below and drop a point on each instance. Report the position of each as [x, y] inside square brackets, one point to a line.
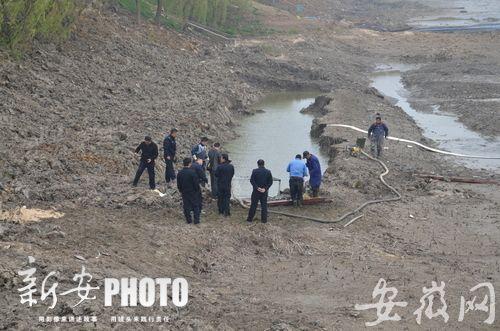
[287, 275]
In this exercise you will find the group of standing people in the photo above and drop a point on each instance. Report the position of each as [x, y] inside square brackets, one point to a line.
[193, 174]
[192, 177]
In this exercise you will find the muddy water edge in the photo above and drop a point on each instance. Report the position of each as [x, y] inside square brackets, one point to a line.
[460, 16]
[441, 127]
[276, 132]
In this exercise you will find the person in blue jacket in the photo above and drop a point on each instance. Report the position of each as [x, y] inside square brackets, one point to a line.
[377, 133]
[199, 151]
[315, 175]
[298, 171]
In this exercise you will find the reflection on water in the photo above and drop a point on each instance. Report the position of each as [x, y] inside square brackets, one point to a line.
[276, 135]
[445, 129]
[462, 15]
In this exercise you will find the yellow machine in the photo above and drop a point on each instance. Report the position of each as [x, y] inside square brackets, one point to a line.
[356, 150]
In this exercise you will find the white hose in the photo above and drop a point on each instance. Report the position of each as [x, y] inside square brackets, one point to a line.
[419, 144]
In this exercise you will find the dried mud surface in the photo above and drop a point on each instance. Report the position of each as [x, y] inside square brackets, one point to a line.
[72, 115]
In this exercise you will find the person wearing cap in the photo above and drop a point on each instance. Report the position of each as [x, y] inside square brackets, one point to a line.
[261, 181]
[314, 167]
[213, 162]
[149, 153]
[377, 133]
[298, 171]
[224, 175]
[169, 151]
[188, 184]
[199, 151]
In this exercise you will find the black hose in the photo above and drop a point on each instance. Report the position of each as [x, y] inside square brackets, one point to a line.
[381, 177]
[322, 221]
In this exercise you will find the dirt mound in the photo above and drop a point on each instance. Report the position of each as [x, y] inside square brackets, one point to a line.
[24, 215]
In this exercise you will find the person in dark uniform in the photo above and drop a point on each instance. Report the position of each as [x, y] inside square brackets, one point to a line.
[261, 181]
[149, 153]
[315, 175]
[169, 150]
[377, 133]
[213, 162]
[197, 166]
[188, 184]
[224, 174]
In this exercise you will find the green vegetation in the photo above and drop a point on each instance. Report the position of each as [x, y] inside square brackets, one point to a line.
[148, 12]
[23, 20]
[210, 12]
[230, 16]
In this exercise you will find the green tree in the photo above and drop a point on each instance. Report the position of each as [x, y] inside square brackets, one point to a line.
[23, 20]
[138, 10]
[159, 9]
[200, 11]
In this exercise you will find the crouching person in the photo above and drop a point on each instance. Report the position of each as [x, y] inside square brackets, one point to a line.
[188, 184]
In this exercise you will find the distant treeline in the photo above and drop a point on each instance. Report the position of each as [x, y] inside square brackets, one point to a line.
[23, 20]
[210, 12]
[216, 13]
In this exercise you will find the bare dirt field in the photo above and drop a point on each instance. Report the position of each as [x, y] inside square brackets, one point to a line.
[71, 119]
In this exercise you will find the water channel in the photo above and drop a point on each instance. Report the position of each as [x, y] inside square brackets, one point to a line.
[460, 16]
[443, 128]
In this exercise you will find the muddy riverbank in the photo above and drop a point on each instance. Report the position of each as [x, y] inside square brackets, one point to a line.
[275, 133]
[73, 115]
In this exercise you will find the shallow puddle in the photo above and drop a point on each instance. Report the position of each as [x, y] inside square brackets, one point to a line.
[276, 135]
